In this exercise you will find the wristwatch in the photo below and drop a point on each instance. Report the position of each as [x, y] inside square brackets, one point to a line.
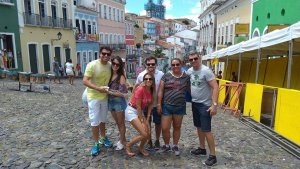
[215, 104]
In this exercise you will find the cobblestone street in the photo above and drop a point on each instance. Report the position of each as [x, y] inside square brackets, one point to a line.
[51, 130]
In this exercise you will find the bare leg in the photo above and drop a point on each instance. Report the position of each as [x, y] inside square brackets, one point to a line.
[165, 126]
[120, 120]
[95, 131]
[177, 121]
[102, 129]
[211, 143]
[201, 136]
[157, 131]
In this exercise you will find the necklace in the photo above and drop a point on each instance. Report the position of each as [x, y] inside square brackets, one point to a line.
[175, 75]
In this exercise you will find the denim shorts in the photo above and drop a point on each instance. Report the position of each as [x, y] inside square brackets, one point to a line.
[156, 117]
[169, 110]
[116, 104]
[201, 117]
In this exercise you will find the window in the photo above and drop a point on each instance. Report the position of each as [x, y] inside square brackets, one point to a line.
[83, 27]
[118, 15]
[122, 20]
[231, 33]
[53, 9]
[106, 39]
[110, 39]
[222, 39]
[77, 24]
[42, 9]
[89, 28]
[100, 10]
[96, 55]
[114, 14]
[101, 39]
[109, 13]
[75, 2]
[105, 14]
[219, 35]
[94, 30]
[226, 35]
[64, 11]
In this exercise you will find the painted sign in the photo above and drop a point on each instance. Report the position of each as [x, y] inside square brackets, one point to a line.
[241, 28]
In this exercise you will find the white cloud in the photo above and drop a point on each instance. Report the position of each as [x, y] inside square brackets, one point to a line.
[127, 11]
[143, 13]
[168, 4]
[170, 16]
[196, 9]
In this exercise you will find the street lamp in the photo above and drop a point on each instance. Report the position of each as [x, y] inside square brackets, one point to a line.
[59, 35]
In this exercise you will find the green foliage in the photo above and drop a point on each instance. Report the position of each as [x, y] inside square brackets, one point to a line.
[158, 53]
[145, 37]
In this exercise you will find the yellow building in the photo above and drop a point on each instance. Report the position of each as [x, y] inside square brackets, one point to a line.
[46, 32]
[138, 38]
[229, 15]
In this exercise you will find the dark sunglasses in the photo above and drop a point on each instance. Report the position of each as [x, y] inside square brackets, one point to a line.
[115, 64]
[148, 79]
[150, 64]
[107, 54]
[194, 59]
[177, 64]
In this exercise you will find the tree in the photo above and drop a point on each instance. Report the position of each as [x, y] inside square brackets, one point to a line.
[136, 26]
[186, 22]
[158, 53]
[145, 37]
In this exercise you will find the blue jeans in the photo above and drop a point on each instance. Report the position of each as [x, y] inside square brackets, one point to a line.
[169, 110]
[201, 116]
[116, 104]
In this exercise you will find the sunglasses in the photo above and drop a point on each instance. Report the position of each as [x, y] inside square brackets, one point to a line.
[194, 59]
[115, 64]
[150, 64]
[104, 53]
[146, 79]
[177, 64]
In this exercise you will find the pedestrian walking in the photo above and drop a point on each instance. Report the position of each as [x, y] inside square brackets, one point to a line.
[70, 71]
[172, 104]
[151, 63]
[96, 78]
[204, 91]
[55, 67]
[116, 99]
[142, 98]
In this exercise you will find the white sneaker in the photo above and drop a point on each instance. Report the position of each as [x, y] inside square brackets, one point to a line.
[119, 146]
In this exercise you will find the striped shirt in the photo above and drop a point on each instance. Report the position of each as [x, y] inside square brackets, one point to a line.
[175, 88]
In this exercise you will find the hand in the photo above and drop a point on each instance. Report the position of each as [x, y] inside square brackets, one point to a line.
[103, 89]
[158, 109]
[212, 110]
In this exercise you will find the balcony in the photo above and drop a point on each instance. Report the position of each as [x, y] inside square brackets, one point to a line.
[87, 37]
[7, 2]
[46, 21]
[120, 46]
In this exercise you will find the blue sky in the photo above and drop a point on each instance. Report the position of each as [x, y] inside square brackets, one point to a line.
[174, 8]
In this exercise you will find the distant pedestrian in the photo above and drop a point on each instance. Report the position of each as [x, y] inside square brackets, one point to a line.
[151, 63]
[96, 78]
[55, 66]
[233, 77]
[142, 98]
[219, 75]
[116, 99]
[78, 69]
[70, 71]
[204, 91]
[171, 104]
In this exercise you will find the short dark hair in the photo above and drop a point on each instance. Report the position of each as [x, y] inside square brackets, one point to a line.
[179, 60]
[150, 58]
[106, 48]
[195, 53]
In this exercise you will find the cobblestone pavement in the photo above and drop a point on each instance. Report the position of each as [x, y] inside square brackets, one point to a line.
[42, 130]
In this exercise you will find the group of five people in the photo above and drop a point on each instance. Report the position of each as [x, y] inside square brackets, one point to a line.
[155, 95]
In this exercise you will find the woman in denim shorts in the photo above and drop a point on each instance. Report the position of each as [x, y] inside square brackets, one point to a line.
[171, 104]
[116, 99]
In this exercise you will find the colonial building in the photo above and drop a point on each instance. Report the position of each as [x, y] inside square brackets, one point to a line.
[129, 36]
[46, 32]
[9, 36]
[232, 17]
[208, 25]
[87, 46]
[111, 25]
[155, 10]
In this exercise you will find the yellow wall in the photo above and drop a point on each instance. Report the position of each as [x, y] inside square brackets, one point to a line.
[222, 92]
[295, 79]
[253, 99]
[42, 36]
[275, 73]
[288, 114]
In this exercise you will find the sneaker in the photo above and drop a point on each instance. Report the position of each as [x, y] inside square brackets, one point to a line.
[198, 151]
[157, 145]
[106, 142]
[212, 160]
[95, 150]
[175, 149]
[119, 146]
[149, 146]
[164, 148]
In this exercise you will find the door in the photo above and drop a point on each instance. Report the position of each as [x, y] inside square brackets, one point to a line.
[46, 57]
[33, 58]
[85, 60]
[57, 54]
[68, 54]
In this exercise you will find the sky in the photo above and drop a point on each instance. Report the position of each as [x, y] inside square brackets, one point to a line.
[174, 8]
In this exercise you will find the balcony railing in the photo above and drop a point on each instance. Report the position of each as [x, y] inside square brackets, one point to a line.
[87, 37]
[6, 2]
[115, 46]
[46, 21]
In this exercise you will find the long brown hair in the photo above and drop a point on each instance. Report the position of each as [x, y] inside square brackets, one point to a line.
[120, 71]
[152, 88]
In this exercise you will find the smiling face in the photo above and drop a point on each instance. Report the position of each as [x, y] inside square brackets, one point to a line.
[115, 65]
[148, 80]
[195, 60]
[105, 55]
[151, 65]
[176, 66]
